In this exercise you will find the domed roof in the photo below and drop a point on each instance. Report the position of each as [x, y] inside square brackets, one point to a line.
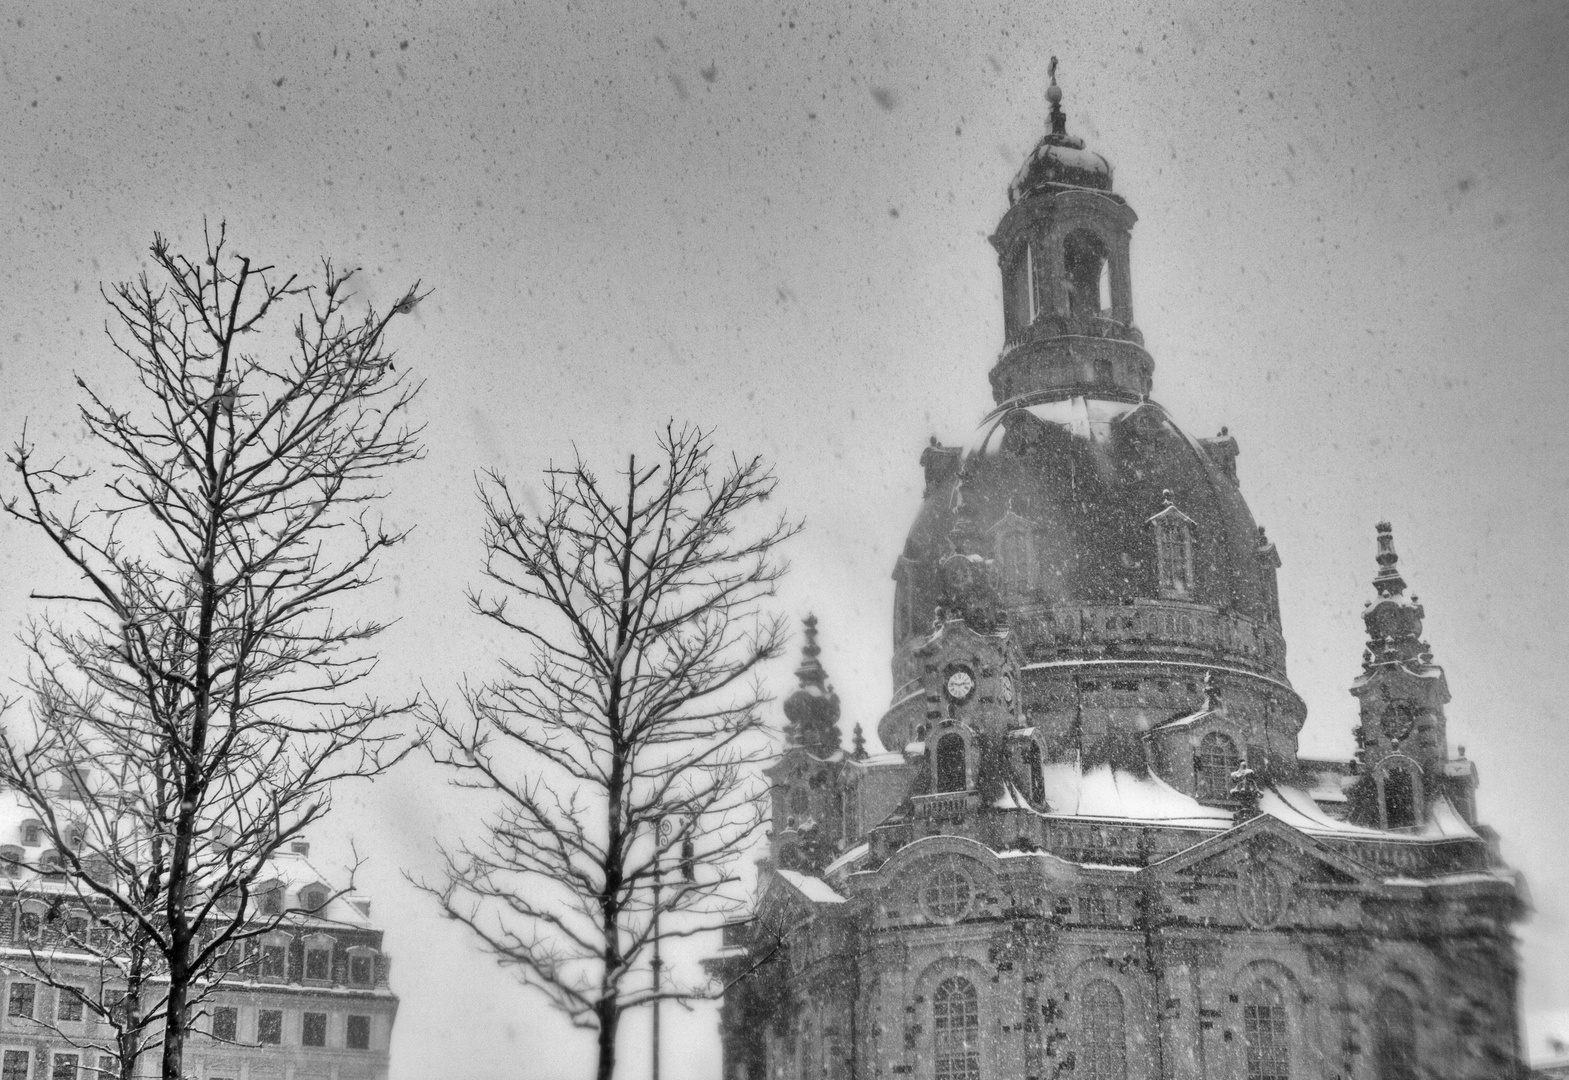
[1060, 160]
[1085, 478]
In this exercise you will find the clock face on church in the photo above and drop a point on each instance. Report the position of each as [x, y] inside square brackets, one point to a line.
[960, 685]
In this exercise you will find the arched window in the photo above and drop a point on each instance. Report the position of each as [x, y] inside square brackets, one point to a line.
[1016, 556]
[1217, 760]
[1105, 374]
[956, 1030]
[1032, 764]
[1103, 1041]
[1084, 259]
[950, 764]
[1019, 293]
[1394, 1037]
[1399, 799]
[1264, 1034]
[1174, 552]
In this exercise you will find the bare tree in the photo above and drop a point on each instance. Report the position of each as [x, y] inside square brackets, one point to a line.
[638, 603]
[198, 699]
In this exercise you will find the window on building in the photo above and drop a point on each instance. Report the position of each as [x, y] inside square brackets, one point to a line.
[1093, 909]
[362, 969]
[1217, 760]
[14, 1063]
[66, 1067]
[68, 1004]
[1399, 799]
[226, 1023]
[1037, 777]
[76, 927]
[1264, 1034]
[950, 764]
[359, 1033]
[274, 961]
[956, 1029]
[1016, 556]
[313, 1029]
[269, 1026]
[318, 962]
[1103, 1039]
[32, 833]
[313, 898]
[271, 902]
[30, 926]
[19, 1000]
[1394, 1037]
[947, 895]
[1174, 553]
[800, 802]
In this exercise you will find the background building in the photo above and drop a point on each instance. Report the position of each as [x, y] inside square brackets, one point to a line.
[1093, 849]
[308, 1001]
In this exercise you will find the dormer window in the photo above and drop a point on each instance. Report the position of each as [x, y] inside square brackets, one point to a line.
[1216, 760]
[274, 959]
[313, 898]
[1173, 551]
[271, 902]
[362, 966]
[318, 959]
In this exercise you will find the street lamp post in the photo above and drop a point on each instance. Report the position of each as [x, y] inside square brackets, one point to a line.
[661, 834]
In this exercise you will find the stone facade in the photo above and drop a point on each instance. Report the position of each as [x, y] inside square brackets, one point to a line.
[309, 1001]
[1090, 848]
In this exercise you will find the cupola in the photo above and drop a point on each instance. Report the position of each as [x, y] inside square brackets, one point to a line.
[1067, 293]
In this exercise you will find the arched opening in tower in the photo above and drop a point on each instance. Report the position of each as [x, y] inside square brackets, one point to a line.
[1084, 259]
[1399, 799]
[950, 763]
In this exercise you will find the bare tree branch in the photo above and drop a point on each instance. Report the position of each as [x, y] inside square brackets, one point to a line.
[195, 707]
[638, 601]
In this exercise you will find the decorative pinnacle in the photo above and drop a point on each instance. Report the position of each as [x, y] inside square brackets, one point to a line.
[1059, 119]
[1388, 581]
[811, 672]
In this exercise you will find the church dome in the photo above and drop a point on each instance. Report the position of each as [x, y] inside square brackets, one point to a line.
[1061, 160]
[1093, 502]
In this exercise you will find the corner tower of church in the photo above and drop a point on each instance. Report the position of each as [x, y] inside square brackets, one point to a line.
[1089, 847]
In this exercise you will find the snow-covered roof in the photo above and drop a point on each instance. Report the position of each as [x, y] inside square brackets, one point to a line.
[814, 889]
[1104, 792]
[882, 760]
[1082, 417]
[1183, 721]
[849, 858]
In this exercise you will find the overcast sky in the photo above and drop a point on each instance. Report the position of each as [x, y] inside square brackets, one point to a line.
[1353, 249]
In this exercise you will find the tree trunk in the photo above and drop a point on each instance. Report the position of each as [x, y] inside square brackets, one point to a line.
[609, 1016]
[174, 1029]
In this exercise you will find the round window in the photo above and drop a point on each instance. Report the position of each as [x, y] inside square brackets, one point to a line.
[947, 895]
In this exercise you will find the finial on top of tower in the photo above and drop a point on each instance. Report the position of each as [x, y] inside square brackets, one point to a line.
[1059, 119]
[811, 672]
[1388, 581]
